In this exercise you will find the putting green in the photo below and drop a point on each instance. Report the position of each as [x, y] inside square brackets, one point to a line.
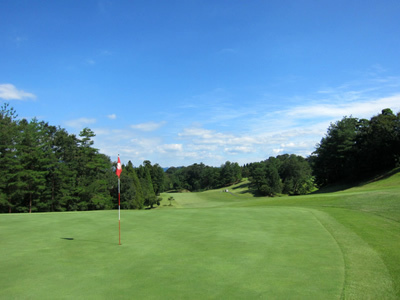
[181, 253]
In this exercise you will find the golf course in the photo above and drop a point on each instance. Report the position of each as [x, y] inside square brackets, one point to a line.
[338, 243]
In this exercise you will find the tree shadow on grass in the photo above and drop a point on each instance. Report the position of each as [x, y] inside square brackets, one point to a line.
[250, 189]
[345, 185]
[242, 186]
[332, 188]
[382, 176]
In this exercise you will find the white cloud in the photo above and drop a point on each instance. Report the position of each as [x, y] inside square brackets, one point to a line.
[291, 144]
[10, 92]
[277, 151]
[244, 135]
[358, 109]
[238, 149]
[112, 116]
[149, 126]
[80, 123]
[146, 144]
[202, 139]
[204, 135]
[170, 147]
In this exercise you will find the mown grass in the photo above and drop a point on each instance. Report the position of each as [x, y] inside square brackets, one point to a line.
[368, 213]
[218, 245]
[220, 253]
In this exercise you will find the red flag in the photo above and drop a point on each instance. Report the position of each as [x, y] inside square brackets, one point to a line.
[119, 168]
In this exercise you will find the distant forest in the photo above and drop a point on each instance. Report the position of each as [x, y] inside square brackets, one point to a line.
[44, 168]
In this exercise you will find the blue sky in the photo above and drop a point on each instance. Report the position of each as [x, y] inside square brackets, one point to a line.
[183, 82]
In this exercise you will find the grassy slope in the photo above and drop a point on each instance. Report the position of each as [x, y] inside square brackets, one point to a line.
[365, 221]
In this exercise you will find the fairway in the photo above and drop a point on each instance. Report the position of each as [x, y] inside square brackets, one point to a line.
[171, 253]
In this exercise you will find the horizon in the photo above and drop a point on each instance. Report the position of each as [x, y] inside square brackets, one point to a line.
[188, 82]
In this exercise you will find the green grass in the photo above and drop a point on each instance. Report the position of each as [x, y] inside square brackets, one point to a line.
[165, 254]
[212, 245]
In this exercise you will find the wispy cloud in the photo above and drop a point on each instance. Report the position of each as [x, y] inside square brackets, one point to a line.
[360, 109]
[112, 116]
[10, 92]
[19, 40]
[90, 62]
[149, 126]
[206, 136]
[105, 53]
[170, 148]
[217, 131]
[80, 123]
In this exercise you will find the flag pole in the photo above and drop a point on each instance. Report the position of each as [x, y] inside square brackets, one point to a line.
[118, 172]
[119, 211]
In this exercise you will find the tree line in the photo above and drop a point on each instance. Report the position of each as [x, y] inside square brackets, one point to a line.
[199, 177]
[354, 149]
[284, 174]
[44, 168]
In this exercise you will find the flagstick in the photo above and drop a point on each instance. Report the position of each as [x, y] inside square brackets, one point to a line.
[119, 211]
[118, 172]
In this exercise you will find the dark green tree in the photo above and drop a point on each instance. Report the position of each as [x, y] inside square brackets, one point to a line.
[9, 164]
[296, 175]
[230, 173]
[265, 178]
[144, 174]
[354, 149]
[132, 196]
[157, 178]
[334, 158]
[379, 142]
[31, 179]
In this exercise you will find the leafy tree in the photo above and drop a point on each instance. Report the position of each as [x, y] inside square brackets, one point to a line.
[9, 164]
[46, 169]
[353, 149]
[380, 143]
[175, 177]
[334, 156]
[296, 175]
[257, 175]
[65, 175]
[211, 178]
[246, 170]
[230, 173]
[146, 183]
[132, 196]
[32, 176]
[265, 177]
[157, 178]
[91, 177]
